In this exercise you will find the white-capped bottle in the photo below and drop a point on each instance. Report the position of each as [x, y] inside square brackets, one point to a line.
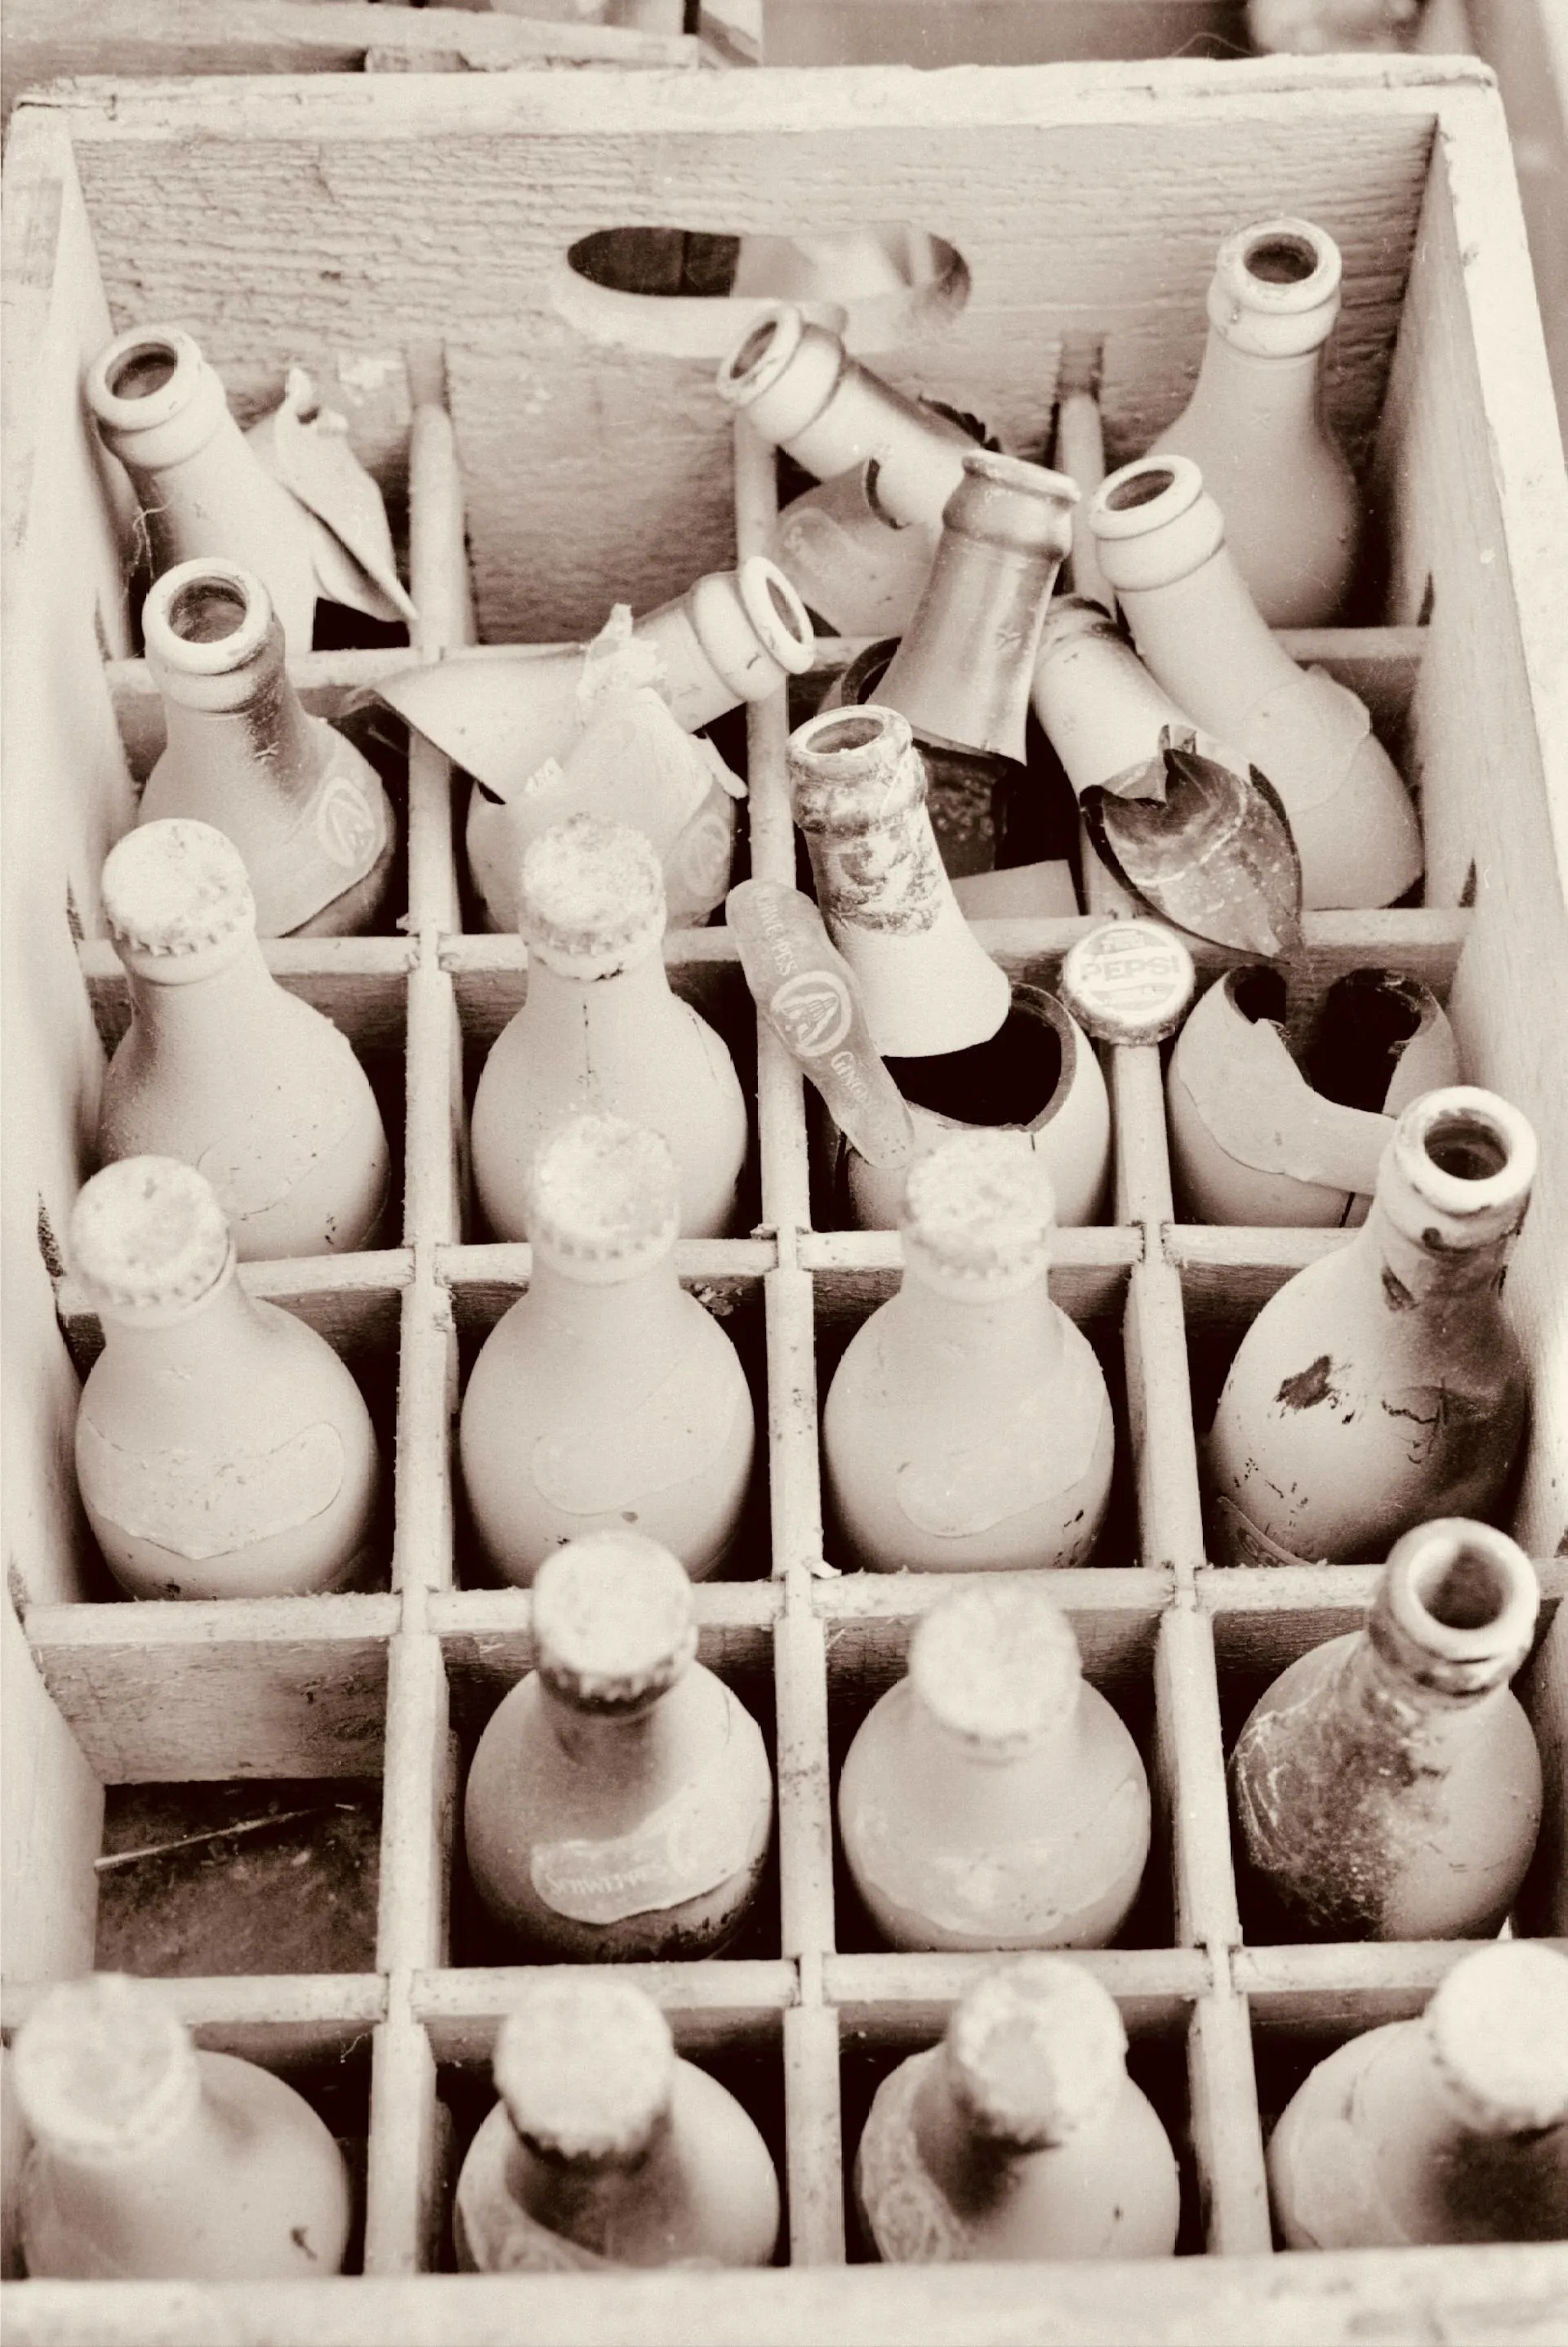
[605, 2148]
[152, 2161]
[606, 1394]
[600, 1029]
[222, 1448]
[1254, 423]
[306, 809]
[1387, 1787]
[967, 1426]
[1383, 1386]
[1453, 2127]
[1020, 2134]
[224, 1068]
[620, 1801]
[993, 1799]
[1161, 540]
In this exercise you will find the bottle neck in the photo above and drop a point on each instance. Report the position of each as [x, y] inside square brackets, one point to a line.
[205, 1342]
[211, 1012]
[1440, 2178]
[633, 1324]
[633, 1749]
[1404, 1713]
[567, 1016]
[1427, 1279]
[1205, 630]
[1265, 404]
[983, 1795]
[963, 671]
[588, 2202]
[1002, 1339]
[971, 2170]
[264, 731]
[196, 2145]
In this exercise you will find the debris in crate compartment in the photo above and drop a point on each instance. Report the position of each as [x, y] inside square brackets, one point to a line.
[1453, 2127]
[1382, 1385]
[222, 1448]
[605, 2148]
[1020, 2134]
[154, 2161]
[1387, 1787]
[222, 1067]
[993, 1799]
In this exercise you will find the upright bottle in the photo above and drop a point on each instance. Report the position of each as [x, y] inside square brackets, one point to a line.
[605, 2148]
[1388, 1785]
[1453, 2127]
[620, 1802]
[968, 1426]
[1254, 423]
[1383, 1386]
[1020, 2134]
[152, 2161]
[222, 1448]
[1162, 541]
[993, 1799]
[305, 809]
[222, 1067]
[606, 1394]
[599, 1029]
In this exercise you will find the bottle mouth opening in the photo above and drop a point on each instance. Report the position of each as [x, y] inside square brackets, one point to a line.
[142, 370]
[1467, 1146]
[777, 614]
[848, 734]
[1281, 259]
[1465, 1589]
[1140, 489]
[207, 610]
[755, 347]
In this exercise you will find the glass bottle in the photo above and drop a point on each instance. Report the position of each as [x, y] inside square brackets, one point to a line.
[620, 1801]
[222, 1448]
[1452, 2127]
[968, 1426]
[152, 2161]
[224, 1068]
[1387, 1787]
[600, 1029]
[993, 1799]
[605, 2148]
[606, 1394]
[1542, 1904]
[1254, 423]
[1162, 542]
[1020, 2134]
[1383, 1386]
[306, 810]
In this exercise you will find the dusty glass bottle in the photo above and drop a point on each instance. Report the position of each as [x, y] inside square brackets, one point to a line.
[605, 2148]
[224, 1068]
[993, 1799]
[1383, 1386]
[968, 1426]
[606, 1394]
[152, 2161]
[600, 1029]
[306, 810]
[1020, 2134]
[1254, 423]
[1453, 2127]
[222, 1448]
[1387, 1787]
[620, 1801]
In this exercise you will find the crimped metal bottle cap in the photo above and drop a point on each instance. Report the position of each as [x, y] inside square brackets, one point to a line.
[592, 898]
[978, 1213]
[604, 1197]
[1498, 2026]
[996, 1665]
[585, 2067]
[148, 1233]
[613, 1619]
[1128, 982]
[175, 887]
[102, 2070]
[1036, 2050]
[1456, 1607]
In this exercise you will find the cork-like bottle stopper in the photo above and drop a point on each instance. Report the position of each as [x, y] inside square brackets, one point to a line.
[1456, 1608]
[205, 623]
[1275, 291]
[613, 1620]
[592, 898]
[1036, 2052]
[1498, 2028]
[1458, 1173]
[604, 1198]
[149, 1237]
[102, 2070]
[585, 2067]
[997, 1666]
[172, 891]
[978, 1215]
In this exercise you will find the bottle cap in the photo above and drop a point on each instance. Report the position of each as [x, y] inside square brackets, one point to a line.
[1036, 2050]
[104, 2071]
[852, 769]
[585, 2067]
[172, 888]
[206, 618]
[1276, 288]
[1498, 2026]
[612, 1619]
[978, 1213]
[1456, 1607]
[149, 1233]
[604, 1198]
[592, 898]
[1155, 523]
[1129, 982]
[996, 1665]
[1007, 501]
[1457, 1175]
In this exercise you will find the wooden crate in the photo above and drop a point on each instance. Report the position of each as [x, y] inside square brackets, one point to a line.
[345, 224]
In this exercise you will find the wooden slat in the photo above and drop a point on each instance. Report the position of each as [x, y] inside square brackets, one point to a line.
[484, 1281]
[1227, 2140]
[359, 983]
[352, 1300]
[1336, 1991]
[815, 2144]
[904, 2001]
[710, 2004]
[280, 2021]
[870, 1618]
[486, 1634]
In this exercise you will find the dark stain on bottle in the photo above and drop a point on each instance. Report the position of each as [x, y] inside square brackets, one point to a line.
[1396, 1295]
[1308, 1386]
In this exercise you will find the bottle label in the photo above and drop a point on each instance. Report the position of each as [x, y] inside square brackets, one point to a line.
[1028, 1456]
[346, 828]
[1018, 1893]
[911, 2218]
[198, 1505]
[704, 1837]
[335, 843]
[256, 1167]
[668, 1439]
